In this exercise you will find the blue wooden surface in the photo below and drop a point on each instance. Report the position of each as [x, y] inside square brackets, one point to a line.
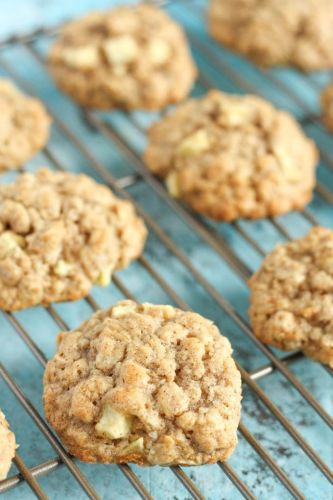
[19, 15]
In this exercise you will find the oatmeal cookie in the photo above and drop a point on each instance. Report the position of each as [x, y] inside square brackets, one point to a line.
[24, 126]
[276, 32]
[233, 156]
[292, 296]
[327, 106]
[130, 57]
[146, 384]
[60, 233]
[7, 447]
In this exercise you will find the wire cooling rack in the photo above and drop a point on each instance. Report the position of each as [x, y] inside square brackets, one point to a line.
[285, 438]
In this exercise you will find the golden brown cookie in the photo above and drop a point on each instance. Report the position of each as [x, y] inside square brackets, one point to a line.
[292, 296]
[146, 384]
[60, 233]
[24, 126]
[130, 57]
[233, 156]
[327, 106]
[7, 447]
[275, 32]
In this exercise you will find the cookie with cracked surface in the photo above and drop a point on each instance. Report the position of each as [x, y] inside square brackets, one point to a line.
[276, 32]
[146, 383]
[24, 126]
[7, 447]
[292, 296]
[130, 57]
[327, 106]
[60, 233]
[233, 156]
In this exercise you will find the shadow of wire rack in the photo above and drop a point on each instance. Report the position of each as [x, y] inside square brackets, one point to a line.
[285, 438]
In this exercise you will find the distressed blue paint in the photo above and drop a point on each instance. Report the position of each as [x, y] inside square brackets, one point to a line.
[163, 485]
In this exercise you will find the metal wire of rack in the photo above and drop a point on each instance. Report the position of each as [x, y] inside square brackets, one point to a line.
[212, 238]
